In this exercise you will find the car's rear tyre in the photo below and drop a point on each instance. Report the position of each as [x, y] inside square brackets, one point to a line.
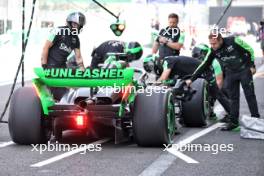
[154, 119]
[196, 111]
[26, 122]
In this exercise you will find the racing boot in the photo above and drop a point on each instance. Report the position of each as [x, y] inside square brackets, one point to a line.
[231, 127]
[225, 119]
[213, 116]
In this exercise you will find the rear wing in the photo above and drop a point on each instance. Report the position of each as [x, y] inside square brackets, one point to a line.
[67, 77]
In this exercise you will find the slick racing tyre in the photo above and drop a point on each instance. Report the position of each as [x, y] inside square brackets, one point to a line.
[196, 111]
[154, 119]
[26, 120]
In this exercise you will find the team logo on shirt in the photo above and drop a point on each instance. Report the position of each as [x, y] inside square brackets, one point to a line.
[226, 58]
[230, 48]
[64, 47]
[115, 43]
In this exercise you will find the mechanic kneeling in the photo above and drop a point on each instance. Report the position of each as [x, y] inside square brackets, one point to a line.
[99, 55]
[182, 66]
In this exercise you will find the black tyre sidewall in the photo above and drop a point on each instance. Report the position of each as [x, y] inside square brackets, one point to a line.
[150, 125]
[25, 117]
[193, 111]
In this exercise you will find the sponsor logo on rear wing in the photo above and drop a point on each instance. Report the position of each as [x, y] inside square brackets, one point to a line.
[67, 77]
[62, 73]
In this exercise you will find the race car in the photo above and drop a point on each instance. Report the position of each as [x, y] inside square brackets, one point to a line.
[88, 105]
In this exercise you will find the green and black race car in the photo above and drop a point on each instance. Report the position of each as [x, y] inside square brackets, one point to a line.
[89, 105]
[114, 96]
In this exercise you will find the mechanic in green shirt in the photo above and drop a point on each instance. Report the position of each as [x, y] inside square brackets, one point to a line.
[237, 59]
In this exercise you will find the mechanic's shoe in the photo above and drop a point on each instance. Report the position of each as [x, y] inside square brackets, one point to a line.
[258, 117]
[237, 129]
[231, 127]
[181, 122]
[225, 119]
[213, 116]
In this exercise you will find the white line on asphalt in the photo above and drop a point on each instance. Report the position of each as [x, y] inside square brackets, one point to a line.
[188, 140]
[160, 165]
[200, 134]
[67, 154]
[5, 144]
[182, 156]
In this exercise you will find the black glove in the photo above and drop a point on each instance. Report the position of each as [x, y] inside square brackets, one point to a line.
[44, 66]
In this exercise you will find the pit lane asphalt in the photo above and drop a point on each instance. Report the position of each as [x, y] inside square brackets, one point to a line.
[247, 158]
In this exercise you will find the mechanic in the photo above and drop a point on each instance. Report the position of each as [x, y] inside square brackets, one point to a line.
[237, 60]
[261, 36]
[133, 50]
[61, 42]
[170, 39]
[182, 66]
[214, 74]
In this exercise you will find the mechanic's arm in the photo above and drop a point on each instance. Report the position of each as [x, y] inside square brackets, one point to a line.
[155, 47]
[219, 76]
[52, 38]
[219, 80]
[249, 50]
[173, 44]
[165, 75]
[156, 43]
[45, 53]
[177, 45]
[167, 67]
[201, 68]
[79, 59]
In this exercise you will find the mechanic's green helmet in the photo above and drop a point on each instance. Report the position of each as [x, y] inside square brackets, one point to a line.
[134, 51]
[153, 63]
[200, 51]
[148, 63]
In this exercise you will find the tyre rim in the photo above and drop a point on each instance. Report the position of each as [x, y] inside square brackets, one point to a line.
[170, 118]
[178, 106]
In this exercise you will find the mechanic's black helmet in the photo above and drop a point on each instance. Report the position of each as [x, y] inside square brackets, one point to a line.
[134, 50]
[200, 51]
[148, 63]
[76, 17]
[158, 65]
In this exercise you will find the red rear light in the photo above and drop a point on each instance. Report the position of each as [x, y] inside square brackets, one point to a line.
[80, 121]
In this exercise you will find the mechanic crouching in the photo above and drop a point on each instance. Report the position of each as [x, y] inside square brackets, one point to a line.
[133, 51]
[183, 66]
[237, 60]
